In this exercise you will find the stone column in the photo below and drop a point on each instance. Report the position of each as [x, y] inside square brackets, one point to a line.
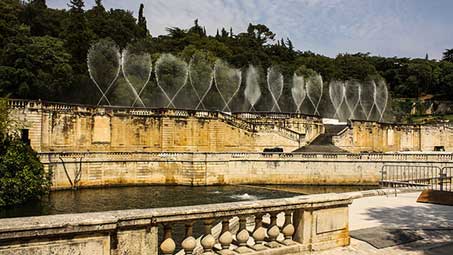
[303, 224]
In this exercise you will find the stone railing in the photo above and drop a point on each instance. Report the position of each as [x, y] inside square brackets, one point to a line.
[242, 121]
[276, 226]
[275, 115]
[212, 156]
[262, 126]
[282, 131]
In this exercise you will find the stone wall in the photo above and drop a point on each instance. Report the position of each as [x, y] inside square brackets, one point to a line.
[367, 136]
[128, 168]
[63, 127]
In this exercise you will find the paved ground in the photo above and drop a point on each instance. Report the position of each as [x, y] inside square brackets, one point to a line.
[434, 223]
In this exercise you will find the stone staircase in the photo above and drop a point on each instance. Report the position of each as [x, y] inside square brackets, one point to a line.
[256, 127]
[323, 142]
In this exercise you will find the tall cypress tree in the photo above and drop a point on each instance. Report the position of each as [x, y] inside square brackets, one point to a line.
[142, 21]
[290, 44]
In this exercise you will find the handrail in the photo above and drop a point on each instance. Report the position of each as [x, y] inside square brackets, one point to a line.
[432, 177]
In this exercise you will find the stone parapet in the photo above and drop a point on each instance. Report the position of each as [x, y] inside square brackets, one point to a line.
[370, 136]
[71, 127]
[275, 226]
[84, 169]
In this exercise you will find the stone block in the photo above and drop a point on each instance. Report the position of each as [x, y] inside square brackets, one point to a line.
[77, 246]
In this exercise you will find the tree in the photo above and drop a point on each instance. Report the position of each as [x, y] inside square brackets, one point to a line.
[77, 35]
[290, 44]
[99, 4]
[142, 22]
[22, 175]
[224, 33]
[29, 27]
[39, 3]
[353, 67]
[76, 5]
[37, 67]
[42, 20]
[261, 33]
[448, 55]
[196, 29]
[97, 19]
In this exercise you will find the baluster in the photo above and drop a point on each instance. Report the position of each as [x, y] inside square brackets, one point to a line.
[167, 246]
[208, 240]
[225, 238]
[259, 233]
[189, 243]
[243, 236]
[273, 231]
[288, 229]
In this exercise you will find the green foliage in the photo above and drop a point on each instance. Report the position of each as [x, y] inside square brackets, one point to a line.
[448, 55]
[22, 176]
[35, 67]
[304, 71]
[64, 36]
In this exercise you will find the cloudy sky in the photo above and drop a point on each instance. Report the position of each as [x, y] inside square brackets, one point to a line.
[405, 28]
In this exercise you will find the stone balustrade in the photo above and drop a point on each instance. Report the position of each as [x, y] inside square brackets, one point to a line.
[275, 226]
[145, 111]
[213, 156]
[58, 127]
[200, 169]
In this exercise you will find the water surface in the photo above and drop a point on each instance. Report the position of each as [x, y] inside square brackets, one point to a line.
[141, 197]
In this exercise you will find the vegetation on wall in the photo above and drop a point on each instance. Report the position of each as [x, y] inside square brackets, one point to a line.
[43, 52]
[22, 176]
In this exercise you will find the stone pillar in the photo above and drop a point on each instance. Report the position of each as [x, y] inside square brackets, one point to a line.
[303, 224]
[320, 229]
[137, 241]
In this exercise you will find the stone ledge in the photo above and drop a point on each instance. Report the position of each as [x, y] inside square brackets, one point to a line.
[107, 221]
[382, 192]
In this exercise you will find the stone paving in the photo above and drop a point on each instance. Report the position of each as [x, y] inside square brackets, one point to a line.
[434, 223]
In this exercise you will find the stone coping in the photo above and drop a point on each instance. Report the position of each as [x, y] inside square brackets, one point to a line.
[61, 106]
[27, 227]
[143, 156]
[171, 153]
[382, 192]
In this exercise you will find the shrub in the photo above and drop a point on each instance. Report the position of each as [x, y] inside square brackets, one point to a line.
[22, 175]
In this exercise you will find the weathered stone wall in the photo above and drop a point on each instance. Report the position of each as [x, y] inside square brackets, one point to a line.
[99, 169]
[60, 127]
[384, 137]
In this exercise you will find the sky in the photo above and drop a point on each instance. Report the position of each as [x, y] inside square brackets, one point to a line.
[403, 28]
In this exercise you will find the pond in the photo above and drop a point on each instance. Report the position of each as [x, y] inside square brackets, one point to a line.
[140, 197]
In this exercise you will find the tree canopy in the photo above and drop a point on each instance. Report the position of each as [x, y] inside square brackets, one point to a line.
[43, 52]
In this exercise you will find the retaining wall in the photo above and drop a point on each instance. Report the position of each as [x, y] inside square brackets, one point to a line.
[128, 168]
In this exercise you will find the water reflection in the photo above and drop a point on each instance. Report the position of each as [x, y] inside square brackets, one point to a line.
[122, 198]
